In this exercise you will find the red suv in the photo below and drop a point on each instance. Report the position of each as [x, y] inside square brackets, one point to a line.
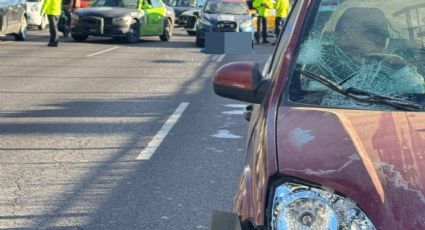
[337, 131]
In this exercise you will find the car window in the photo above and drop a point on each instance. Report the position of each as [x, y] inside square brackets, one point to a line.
[181, 3]
[155, 3]
[382, 51]
[218, 7]
[131, 4]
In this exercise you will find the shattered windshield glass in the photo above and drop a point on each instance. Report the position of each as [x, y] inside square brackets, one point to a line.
[373, 45]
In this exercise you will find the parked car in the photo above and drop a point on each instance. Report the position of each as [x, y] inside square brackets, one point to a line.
[13, 19]
[123, 19]
[188, 20]
[181, 6]
[223, 16]
[35, 16]
[337, 128]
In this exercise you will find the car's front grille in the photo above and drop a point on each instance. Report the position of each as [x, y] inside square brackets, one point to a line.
[189, 22]
[225, 26]
[92, 25]
[107, 21]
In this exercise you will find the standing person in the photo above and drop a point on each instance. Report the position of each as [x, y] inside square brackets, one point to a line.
[68, 7]
[262, 7]
[282, 10]
[53, 9]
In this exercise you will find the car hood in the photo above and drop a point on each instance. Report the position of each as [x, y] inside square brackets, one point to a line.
[214, 18]
[109, 12]
[191, 11]
[178, 9]
[376, 158]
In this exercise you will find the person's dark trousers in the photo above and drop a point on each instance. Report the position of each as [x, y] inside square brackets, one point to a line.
[68, 17]
[279, 21]
[261, 27]
[53, 29]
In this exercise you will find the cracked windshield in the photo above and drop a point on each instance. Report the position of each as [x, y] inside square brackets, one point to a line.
[375, 46]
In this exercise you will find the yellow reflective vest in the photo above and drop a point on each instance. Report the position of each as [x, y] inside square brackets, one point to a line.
[262, 7]
[52, 7]
[282, 8]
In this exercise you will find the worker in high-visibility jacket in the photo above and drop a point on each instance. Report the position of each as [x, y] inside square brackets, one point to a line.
[53, 9]
[262, 7]
[282, 11]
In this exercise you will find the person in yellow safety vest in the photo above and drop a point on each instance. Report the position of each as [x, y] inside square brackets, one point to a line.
[282, 10]
[262, 7]
[53, 9]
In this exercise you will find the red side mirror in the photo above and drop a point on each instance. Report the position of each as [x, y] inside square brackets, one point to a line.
[241, 81]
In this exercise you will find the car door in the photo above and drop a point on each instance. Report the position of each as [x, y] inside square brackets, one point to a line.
[154, 17]
[3, 17]
[15, 13]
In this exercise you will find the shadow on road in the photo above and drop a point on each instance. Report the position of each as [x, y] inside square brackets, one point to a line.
[126, 194]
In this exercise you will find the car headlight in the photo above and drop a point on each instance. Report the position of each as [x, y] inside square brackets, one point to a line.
[246, 23]
[121, 20]
[297, 206]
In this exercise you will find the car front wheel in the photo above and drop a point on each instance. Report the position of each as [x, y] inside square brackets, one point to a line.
[134, 33]
[167, 33]
[191, 33]
[79, 37]
[199, 41]
[22, 34]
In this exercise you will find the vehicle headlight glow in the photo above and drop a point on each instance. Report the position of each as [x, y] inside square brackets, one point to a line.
[246, 23]
[121, 20]
[297, 206]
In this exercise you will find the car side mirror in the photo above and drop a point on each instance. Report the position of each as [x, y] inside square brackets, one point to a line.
[196, 13]
[241, 81]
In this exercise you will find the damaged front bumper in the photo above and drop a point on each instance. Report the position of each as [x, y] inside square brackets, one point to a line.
[96, 26]
[229, 221]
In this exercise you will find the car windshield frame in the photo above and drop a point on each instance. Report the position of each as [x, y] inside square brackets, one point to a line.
[411, 87]
[117, 3]
[228, 9]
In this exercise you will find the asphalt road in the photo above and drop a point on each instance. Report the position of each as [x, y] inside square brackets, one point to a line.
[74, 120]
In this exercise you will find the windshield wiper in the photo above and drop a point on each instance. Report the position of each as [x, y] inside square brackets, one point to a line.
[362, 95]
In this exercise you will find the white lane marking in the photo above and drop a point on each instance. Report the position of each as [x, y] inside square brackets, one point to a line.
[235, 105]
[147, 153]
[103, 51]
[220, 59]
[225, 134]
[233, 112]
[2, 43]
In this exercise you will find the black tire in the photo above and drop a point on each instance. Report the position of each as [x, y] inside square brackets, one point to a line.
[43, 24]
[191, 33]
[167, 32]
[134, 33]
[79, 37]
[22, 34]
[199, 41]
